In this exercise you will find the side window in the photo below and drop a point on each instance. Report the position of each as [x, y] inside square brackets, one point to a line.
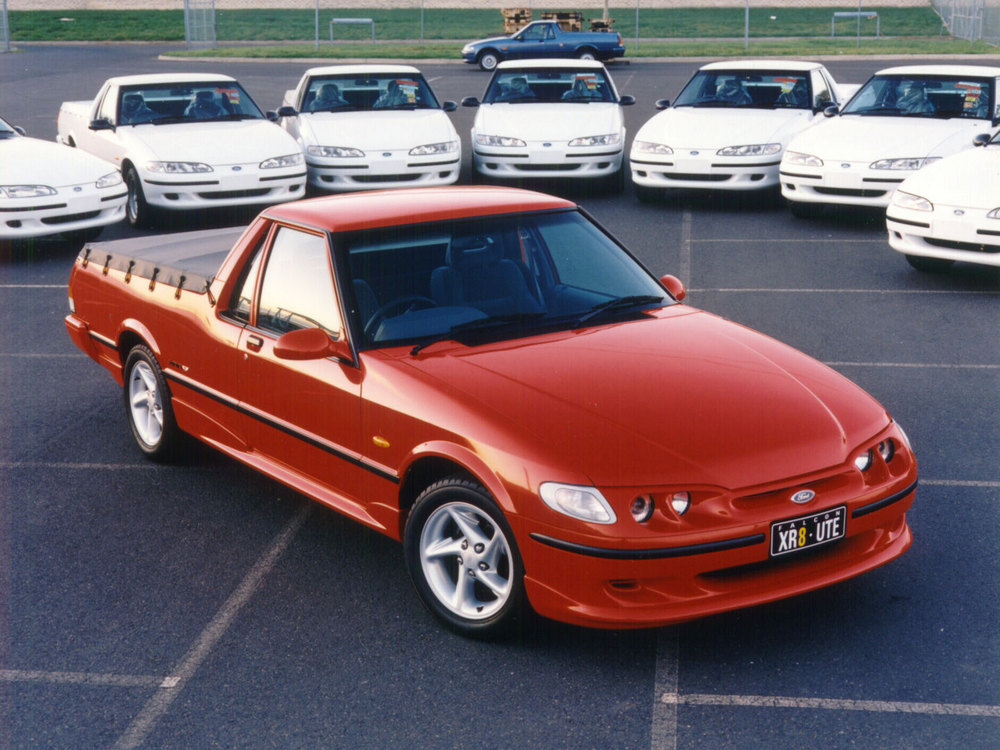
[821, 90]
[240, 305]
[109, 104]
[298, 290]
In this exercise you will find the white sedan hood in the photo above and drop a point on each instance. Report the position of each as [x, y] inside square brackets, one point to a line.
[386, 130]
[30, 161]
[216, 143]
[970, 178]
[562, 121]
[860, 138]
[705, 128]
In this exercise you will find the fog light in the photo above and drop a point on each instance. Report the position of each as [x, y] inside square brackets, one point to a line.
[642, 508]
[864, 461]
[887, 449]
[680, 502]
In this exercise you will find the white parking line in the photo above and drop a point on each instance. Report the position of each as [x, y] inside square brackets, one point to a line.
[684, 263]
[158, 705]
[9, 465]
[914, 365]
[81, 678]
[663, 735]
[32, 286]
[833, 704]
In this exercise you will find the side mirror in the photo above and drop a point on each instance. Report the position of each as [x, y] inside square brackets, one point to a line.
[982, 139]
[822, 105]
[470, 101]
[662, 103]
[449, 106]
[673, 285]
[19, 130]
[627, 100]
[832, 111]
[287, 112]
[310, 343]
[101, 124]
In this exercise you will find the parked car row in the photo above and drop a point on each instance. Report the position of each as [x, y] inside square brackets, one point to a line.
[183, 141]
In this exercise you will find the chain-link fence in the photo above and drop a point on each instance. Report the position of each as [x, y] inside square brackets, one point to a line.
[4, 29]
[221, 22]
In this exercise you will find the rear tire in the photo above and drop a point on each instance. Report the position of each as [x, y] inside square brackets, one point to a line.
[586, 54]
[147, 405]
[929, 265]
[463, 559]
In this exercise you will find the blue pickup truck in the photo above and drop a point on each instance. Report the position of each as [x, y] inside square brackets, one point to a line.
[544, 39]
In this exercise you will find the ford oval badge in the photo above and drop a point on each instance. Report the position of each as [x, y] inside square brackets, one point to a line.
[959, 212]
[846, 165]
[803, 496]
[237, 169]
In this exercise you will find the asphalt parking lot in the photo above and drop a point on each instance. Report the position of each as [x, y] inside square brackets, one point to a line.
[202, 605]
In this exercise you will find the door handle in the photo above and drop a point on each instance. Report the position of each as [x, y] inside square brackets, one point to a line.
[254, 343]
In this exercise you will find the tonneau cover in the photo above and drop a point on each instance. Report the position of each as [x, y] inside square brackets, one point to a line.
[186, 259]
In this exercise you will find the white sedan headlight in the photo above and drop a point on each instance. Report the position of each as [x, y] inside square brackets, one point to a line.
[994, 214]
[910, 164]
[25, 191]
[335, 152]
[611, 139]
[585, 503]
[759, 149]
[803, 160]
[448, 147]
[178, 167]
[277, 162]
[648, 147]
[110, 180]
[500, 140]
[911, 201]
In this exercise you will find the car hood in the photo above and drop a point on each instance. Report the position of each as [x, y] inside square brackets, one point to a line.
[705, 128]
[966, 179]
[30, 161]
[376, 130]
[680, 396]
[862, 138]
[216, 143]
[560, 121]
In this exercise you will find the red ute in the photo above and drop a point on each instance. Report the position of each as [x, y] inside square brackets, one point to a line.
[488, 376]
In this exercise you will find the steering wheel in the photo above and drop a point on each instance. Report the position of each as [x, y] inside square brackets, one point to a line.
[402, 304]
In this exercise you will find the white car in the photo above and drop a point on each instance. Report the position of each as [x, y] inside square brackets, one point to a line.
[48, 189]
[950, 211]
[186, 141]
[730, 124]
[901, 120]
[550, 118]
[372, 126]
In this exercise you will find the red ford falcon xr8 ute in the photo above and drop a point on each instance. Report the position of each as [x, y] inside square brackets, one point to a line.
[488, 376]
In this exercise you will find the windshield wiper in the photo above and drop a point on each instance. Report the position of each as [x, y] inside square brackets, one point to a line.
[618, 304]
[479, 324]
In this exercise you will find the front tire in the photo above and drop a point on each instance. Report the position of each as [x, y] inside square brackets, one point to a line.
[488, 60]
[463, 559]
[137, 210]
[929, 265]
[147, 404]
[802, 210]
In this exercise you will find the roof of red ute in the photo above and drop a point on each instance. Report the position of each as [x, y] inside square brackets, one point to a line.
[370, 210]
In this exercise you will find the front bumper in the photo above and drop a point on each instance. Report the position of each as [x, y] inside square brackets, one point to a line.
[546, 160]
[704, 170]
[227, 185]
[67, 211]
[393, 171]
[844, 183]
[940, 234]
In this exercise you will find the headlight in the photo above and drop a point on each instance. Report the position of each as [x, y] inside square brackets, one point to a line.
[449, 147]
[911, 201]
[910, 164]
[467, 49]
[680, 502]
[177, 167]
[865, 460]
[25, 191]
[761, 149]
[611, 139]
[277, 162]
[110, 180]
[647, 147]
[994, 214]
[499, 140]
[803, 160]
[585, 503]
[335, 152]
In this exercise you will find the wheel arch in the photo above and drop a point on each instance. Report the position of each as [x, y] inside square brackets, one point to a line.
[132, 334]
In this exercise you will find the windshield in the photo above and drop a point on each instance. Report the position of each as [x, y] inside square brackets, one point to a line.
[754, 89]
[182, 102]
[345, 93]
[556, 85]
[497, 277]
[923, 96]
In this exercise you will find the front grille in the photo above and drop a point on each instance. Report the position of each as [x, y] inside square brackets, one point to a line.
[227, 194]
[850, 192]
[698, 177]
[67, 219]
[547, 167]
[385, 177]
[967, 246]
